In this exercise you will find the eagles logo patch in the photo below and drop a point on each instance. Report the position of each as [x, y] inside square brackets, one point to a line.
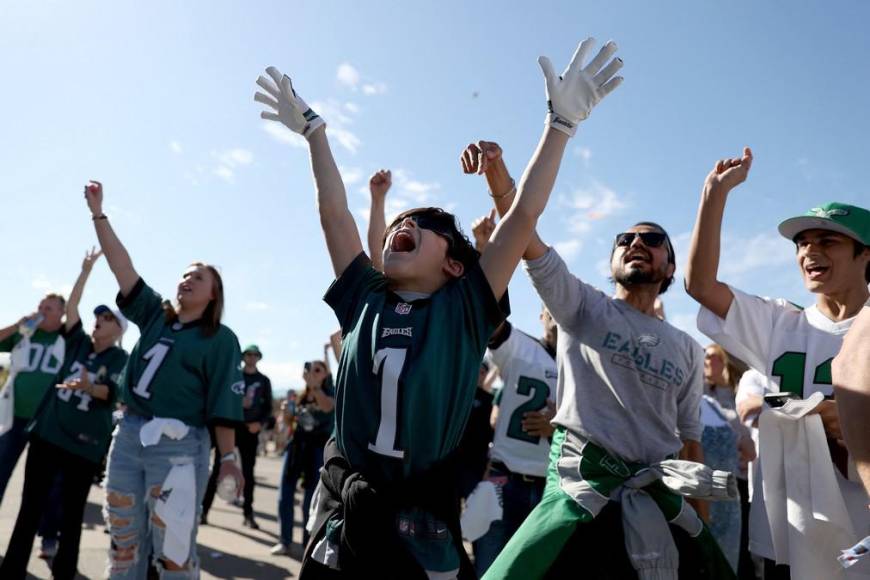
[238, 388]
[648, 340]
[827, 213]
[403, 308]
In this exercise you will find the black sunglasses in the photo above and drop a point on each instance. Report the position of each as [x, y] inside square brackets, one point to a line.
[649, 239]
[437, 222]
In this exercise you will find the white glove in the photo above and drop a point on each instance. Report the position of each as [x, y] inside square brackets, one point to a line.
[572, 96]
[291, 109]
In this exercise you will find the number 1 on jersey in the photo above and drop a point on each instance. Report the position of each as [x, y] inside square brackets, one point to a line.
[154, 356]
[392, 360]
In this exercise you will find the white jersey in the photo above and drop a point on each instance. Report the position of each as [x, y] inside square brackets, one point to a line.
[790, 346]
[792, 349]
[529, 375]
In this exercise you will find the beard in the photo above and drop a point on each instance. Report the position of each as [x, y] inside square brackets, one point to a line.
[635, 276]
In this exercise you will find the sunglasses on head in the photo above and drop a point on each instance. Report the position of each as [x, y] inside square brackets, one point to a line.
[649, 239]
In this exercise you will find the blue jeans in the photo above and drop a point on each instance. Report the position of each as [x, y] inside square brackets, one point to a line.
[134, 478]
[304, 457]
[12, 444]
[519, 496]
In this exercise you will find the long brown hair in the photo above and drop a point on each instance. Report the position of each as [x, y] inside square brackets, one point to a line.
[211, 316]
[729, 369]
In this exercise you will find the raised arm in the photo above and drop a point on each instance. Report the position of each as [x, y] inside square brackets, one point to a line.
[75, 297]
[702, 282]
[485, 157]
[342, 238]
[115, 252]
[571, 98]
[379, 185]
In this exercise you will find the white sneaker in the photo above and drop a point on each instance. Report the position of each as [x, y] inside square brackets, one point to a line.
[280, 549]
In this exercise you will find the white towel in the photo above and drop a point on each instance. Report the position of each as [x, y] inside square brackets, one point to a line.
[151, 431]
[481, 509]
[176, 506]
[804, 494]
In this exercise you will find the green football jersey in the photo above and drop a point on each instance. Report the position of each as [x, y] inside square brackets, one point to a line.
[177, 372]
[408, 369]
[44, 361]
[73, 419]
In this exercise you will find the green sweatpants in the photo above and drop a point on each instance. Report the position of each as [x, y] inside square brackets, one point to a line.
[540, 541]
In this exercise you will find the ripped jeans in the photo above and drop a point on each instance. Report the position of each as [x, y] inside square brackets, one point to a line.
[134, 478]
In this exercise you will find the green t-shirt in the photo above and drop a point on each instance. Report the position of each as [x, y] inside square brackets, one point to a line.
[72, 419]
[176, 371]
[406, 382]
[44, 361]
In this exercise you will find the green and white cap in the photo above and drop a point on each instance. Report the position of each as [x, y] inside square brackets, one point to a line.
[849, 220]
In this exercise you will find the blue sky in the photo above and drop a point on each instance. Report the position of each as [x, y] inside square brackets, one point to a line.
[156, 100]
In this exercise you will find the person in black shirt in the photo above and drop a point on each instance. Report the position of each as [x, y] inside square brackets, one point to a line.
[257, 406]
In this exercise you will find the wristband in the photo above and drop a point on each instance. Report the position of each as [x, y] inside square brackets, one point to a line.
[513, 189]
[231, 456]
[102, 216]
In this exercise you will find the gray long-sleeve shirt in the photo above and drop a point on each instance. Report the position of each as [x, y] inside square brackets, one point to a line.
[629, 382]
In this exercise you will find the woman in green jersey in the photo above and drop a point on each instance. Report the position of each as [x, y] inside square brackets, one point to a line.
[183, 376]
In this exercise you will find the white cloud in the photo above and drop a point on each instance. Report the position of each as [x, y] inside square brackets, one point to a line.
[339, 118]
[256, 306]
[41, 283]
[584, 153]
[568, 249]
[591, 204]
[602, 267]
[175, 147]
[352, 107]
[347, 75]
[282, 134]
[374, 89]
[225, 173]
[235, 157]
[742, 254]
[351, 175]
[420, 192]
[229, 161]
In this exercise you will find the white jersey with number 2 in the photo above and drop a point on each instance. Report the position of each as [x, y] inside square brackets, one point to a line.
[529, 375]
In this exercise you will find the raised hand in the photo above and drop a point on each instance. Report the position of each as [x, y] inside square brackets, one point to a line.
[91, 256]
[729, 173]
[573, 95]
[94, 197]
[380, 183]
[288, 107]
[477, 157]
[482, 229]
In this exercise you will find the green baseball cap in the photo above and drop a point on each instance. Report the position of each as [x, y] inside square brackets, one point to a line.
[849, 220]
[254, 349]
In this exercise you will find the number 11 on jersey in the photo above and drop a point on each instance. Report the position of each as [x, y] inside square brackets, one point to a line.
[392, 360]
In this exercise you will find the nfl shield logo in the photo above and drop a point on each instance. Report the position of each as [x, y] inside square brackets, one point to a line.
[403, 308]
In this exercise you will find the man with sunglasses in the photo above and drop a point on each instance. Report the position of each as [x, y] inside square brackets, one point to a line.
[413, 339]
[793, 348]
[628, 393]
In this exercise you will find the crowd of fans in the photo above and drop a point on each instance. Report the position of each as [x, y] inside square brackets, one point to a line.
[612, 446]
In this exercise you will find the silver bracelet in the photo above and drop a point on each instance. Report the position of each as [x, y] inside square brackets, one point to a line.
[513, 189]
